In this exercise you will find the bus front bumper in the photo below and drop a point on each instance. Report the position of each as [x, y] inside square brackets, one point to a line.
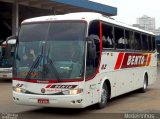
[6, 75]
[62, 101]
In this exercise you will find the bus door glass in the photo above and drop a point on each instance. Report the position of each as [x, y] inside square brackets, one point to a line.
[92, 62]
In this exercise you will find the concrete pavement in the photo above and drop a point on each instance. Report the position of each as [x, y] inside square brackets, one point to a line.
[133, 102]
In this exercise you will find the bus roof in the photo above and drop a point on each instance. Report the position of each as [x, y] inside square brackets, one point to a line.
[87, 16]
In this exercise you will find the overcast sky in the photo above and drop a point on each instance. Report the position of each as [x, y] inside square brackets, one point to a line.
[129, 10]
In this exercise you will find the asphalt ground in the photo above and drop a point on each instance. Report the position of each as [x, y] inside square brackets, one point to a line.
[130, 105]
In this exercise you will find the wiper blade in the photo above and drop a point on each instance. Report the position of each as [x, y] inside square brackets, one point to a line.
[53, 69]
[49, 61]
[34, 65]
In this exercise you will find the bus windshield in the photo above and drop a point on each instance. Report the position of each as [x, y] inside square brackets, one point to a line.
[51, 50]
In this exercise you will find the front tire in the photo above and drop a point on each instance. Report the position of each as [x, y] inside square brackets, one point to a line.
[104, 97]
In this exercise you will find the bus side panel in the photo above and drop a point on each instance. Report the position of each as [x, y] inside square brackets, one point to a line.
[107, 69]
[126, 79]
[152, 74]
[93, 87]
[153, 68]
[91, 91]
[121, 79]
[139, 74]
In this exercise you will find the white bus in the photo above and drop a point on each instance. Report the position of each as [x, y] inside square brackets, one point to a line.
[7, 50]
[81, 59]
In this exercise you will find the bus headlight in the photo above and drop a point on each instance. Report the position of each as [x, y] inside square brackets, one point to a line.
[19, 90]
[72, 91]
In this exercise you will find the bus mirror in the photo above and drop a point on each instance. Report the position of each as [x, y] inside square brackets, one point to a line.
[11, 40]
[91, 48]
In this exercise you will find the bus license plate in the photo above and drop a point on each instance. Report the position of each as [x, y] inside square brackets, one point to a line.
[43, 101]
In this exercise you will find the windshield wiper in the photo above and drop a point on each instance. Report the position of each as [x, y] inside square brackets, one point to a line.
[53, 69]
[49, 61]
[34, 65]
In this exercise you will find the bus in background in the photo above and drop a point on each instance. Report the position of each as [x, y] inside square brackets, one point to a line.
[7, 50]
[81, 59]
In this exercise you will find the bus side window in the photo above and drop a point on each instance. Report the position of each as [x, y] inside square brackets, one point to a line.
[153, 43]
[129, 39]
[119, 38]
[138, 43]
[145, 42]
[107, 39]
[150, 43]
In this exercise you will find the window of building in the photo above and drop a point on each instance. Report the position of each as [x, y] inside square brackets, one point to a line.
[119, 38]
[138, 44]
[107, 39]
[129, 38]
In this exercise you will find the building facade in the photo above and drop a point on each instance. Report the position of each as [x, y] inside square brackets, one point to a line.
[146, 22]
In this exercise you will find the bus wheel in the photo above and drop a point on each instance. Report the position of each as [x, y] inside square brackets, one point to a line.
[104, 97]
[145, 85]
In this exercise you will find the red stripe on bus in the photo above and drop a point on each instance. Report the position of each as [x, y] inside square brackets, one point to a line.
[149, 60]
[119, 61]
[48, 86]
[100, 46]
[47, 81]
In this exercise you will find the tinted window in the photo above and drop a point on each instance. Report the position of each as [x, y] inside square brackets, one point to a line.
[50, 51]
[153, 43]
[150, 43]
[119, 38]
[144, 42]
[137, 38]
[33, 32]
[107, 38]
[129, 38]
